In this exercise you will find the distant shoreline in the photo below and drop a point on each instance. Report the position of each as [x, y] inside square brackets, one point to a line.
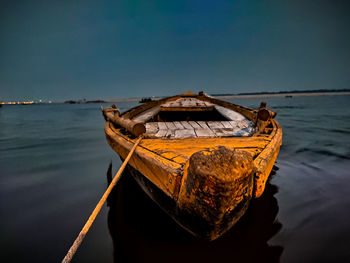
[220, 96]
[256, 95]
[299, 94]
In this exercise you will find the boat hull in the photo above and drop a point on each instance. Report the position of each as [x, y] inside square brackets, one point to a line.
[193, 223]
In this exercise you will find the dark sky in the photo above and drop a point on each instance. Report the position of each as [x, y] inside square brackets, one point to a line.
[57, 50]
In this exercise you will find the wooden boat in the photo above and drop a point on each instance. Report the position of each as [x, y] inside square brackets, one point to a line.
[202, 159]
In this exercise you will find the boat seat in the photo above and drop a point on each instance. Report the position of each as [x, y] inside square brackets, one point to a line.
[195, 129]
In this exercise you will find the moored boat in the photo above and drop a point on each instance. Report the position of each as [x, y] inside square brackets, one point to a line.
[201, 159]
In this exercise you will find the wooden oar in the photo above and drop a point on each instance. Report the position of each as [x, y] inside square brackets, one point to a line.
[98, 207]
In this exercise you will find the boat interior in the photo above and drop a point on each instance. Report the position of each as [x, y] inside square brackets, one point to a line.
[189, 117]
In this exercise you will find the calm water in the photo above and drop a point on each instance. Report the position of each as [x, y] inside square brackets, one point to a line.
[53, 164]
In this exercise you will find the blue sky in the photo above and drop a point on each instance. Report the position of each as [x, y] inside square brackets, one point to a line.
[58, 50]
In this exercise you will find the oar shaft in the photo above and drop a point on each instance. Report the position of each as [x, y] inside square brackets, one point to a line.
[98, 207]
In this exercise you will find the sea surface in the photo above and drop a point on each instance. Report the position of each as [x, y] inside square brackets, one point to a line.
[53, 164]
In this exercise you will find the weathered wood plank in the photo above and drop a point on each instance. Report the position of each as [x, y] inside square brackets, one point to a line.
[170, 125]
[194, 125]
[233, 124]
[170, 134]
[178, 125]
[161, 133]
[240, 133]
[215, 124]
[219, 133]
[244, 124]
[185, 133]
[204, 133]
[218, 129]
[203, 124]
[226, 124]
[224, 132]
[152, 127]
[186, 125]
[162, 126]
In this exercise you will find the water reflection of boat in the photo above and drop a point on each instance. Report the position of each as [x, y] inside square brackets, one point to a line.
[208, 157]
[141, 232]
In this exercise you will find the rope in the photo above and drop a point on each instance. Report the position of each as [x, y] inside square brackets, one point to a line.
[98, 207]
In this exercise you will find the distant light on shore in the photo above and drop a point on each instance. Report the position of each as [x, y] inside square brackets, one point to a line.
[18, 102]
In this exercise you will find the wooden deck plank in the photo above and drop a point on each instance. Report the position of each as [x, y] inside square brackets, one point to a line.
[194, 125]
[241, 133]
[215, 124]
[226, 124]
[186, 125]
[243, 124]
[218, 129]
[203, 124]
[161, 133]
[162, 126]
[152, 127]
[204, 133]
[224, 132]
[185, 133]
[178, 125]
[233, 124]
[170, 125]
[170, 134]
